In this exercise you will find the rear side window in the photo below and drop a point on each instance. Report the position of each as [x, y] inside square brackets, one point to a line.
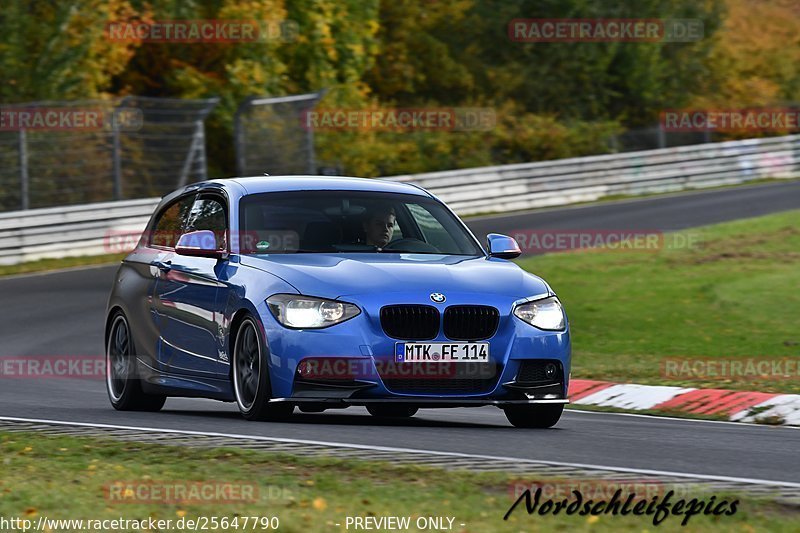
[170, 223]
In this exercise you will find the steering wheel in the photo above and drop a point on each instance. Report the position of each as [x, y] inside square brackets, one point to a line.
[411, 245]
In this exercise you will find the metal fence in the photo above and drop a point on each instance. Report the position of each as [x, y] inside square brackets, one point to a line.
[102, 228]
[270, 138]
[655, 137]
[144, 147]
[62, 153]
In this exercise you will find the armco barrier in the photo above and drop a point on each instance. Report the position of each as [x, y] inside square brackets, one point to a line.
[84, 229]
[69, 231]
[565, 181]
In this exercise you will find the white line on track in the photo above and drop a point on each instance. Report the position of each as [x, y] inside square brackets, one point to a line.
[678, 419]
[703, 477]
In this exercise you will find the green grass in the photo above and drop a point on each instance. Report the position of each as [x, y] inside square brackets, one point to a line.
[65, 478]
[735, 296]
[43, 265]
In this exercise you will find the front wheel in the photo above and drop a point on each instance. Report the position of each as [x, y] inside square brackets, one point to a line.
[534, 416]
[122, 380]
[392, 411]
[251, 376]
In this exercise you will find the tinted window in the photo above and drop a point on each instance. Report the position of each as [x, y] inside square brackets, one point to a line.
[170, 223]
[350, 221]
[208, 213]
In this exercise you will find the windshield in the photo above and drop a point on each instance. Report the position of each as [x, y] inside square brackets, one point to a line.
[350, 221]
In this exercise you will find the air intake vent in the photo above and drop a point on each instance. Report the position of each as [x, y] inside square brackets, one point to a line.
[540, 372]
[470, 322]
[410, 322]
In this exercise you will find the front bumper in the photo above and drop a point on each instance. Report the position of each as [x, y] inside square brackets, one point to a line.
[423, 402]
[362, 338]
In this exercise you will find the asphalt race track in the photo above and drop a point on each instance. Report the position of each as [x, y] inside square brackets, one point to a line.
[666, 213]
[62, 314]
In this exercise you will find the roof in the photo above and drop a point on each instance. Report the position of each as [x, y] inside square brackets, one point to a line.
[259, 184]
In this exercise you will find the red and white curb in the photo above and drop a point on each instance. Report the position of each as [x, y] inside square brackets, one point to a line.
[738, 406]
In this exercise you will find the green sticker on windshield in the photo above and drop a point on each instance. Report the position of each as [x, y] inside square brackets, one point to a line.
[262, 245]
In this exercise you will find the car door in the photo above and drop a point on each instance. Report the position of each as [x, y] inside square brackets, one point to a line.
[154, 253]
[189, 298]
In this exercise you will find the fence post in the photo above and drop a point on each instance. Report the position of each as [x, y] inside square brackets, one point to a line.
[201, 152]
[312, 154]
[116, 155]
[614, 144]
[198, 141]
[24, 185]
[238, 137]
[312, 162]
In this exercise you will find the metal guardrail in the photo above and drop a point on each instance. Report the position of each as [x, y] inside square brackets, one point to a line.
[99, 228]
[565, 181]
[89, 229]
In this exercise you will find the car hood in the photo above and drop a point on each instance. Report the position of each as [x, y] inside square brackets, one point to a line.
[339, 275]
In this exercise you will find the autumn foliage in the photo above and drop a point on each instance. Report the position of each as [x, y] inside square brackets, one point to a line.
[551, 100]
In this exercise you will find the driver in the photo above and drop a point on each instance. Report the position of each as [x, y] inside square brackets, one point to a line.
[378, 226]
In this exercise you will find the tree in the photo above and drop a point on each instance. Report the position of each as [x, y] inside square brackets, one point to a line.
[59, 50]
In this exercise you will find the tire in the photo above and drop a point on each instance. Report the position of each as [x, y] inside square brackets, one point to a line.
[392, 411]
[534, 416]
[250, 375]
[122, 381]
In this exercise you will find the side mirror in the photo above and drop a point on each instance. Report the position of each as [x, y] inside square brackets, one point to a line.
[201, 243]
[502, 246]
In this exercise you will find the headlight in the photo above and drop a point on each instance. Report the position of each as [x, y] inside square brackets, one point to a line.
[304, 312]
[543, 314]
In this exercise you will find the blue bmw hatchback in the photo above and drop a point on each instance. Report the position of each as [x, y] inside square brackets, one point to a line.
[324, 292]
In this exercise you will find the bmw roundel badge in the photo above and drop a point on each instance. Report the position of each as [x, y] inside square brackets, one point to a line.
[437, 297]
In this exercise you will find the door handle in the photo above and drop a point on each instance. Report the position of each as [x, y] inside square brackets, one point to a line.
[164, 266]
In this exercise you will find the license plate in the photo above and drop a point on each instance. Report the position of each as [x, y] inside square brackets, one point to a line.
[441, 352]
